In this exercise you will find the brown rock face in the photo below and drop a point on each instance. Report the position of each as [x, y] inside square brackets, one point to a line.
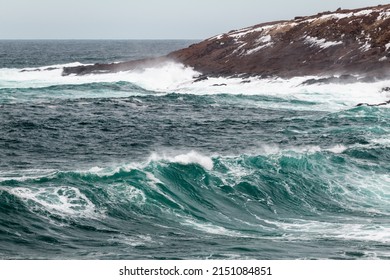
[101, 68]
[338, 43]
[343, 42]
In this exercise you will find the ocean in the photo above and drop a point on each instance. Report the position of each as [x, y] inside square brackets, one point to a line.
[152, 165]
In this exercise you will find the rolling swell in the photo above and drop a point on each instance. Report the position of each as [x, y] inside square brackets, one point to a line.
[70, 91]
[248, 199]
[102, 86]
[152, 165]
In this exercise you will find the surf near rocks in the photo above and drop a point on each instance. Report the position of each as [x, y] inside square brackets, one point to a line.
[344, 42]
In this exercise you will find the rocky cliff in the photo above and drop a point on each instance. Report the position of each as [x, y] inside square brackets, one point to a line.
[344, 42]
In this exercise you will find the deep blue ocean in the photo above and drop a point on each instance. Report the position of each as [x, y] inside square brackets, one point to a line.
[152, 165]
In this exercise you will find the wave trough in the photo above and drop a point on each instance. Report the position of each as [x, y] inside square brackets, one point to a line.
[153, 165]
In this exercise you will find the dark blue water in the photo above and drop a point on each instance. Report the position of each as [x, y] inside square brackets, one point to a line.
[150, 165]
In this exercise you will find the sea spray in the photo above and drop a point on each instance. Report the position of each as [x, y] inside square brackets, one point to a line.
[153, 165]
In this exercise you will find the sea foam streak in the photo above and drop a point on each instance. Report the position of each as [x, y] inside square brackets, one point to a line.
[204, 160]
[174, 77]
[64, 201]
[164, 77]
[290, 194]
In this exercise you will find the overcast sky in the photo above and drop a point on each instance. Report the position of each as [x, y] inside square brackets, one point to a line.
[149, 19]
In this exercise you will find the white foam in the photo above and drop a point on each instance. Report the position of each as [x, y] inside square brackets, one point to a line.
[267, 150]
[211, 228]
[330, 97]
[344, 230]
[381, 141]
[95, 170]
[65, 201]
[164, 78]
[185, 158]
[125, 193]
[27, 174]
[17, 78]
[133, 241]
[175, 77]
[159, 78]
[365, 192]
[338, 149]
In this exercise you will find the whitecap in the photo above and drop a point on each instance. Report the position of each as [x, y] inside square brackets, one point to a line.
[175, 77]
[64, 201]
[299, 229]
[211, 228]
[185, 158]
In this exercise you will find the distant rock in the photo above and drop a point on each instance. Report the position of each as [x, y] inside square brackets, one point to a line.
[38, 70]
[345, 46]
[385, 89]
[99, 68]
[345, 42]
[200, 78]
[373, 105]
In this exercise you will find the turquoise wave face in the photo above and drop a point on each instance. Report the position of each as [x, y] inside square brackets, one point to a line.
[241, 205]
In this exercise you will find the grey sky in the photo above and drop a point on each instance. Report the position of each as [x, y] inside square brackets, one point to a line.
[149, 19]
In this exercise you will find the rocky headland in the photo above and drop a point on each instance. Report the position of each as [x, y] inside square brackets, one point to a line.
[344, 46]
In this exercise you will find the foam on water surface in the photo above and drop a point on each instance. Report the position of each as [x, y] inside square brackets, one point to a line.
[64, 201]
[151, 164]
[174, 77]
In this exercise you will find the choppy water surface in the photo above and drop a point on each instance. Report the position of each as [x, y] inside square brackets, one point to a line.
[149, 165]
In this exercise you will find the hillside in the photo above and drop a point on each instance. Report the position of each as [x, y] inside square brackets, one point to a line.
[344, 42]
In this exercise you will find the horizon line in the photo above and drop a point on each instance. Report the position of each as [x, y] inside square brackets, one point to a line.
[97, 39]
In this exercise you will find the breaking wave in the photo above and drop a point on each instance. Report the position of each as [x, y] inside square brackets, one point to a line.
[292, 194]
[162, 164]
[47, 82]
